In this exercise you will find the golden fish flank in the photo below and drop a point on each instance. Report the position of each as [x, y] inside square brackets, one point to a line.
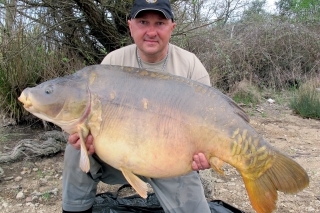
[136, 114]
[244, 147]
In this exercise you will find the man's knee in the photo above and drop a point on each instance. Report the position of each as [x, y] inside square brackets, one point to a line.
[181, 194]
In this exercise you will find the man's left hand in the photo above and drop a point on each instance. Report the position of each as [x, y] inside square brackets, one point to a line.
[200, 162]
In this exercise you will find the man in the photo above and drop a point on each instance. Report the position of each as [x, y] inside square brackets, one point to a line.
[151, 25]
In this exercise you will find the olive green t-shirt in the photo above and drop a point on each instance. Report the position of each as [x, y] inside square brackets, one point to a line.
[180, 62]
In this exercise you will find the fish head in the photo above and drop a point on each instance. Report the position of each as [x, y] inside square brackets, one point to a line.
[64, 101]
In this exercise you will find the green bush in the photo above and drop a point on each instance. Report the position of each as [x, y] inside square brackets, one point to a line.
[245, 97]
[306, 101]
[245, 93]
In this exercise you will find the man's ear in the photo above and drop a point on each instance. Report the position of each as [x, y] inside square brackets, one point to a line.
[129, 25]
[174, 25]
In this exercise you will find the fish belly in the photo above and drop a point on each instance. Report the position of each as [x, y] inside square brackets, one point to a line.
[146, 144]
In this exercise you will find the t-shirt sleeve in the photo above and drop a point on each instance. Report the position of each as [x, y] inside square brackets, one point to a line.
[107, 59]
[199, 72]
[124, 56]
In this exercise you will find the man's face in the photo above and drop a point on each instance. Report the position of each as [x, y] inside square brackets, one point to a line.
[151, 32]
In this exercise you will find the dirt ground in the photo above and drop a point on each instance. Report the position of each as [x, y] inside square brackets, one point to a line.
[37, 180]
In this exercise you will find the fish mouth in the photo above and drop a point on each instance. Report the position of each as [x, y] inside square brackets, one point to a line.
[24, 99]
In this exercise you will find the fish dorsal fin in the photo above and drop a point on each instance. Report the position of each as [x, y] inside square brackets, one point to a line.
[237, 109]
[139, 185]
[84, 158]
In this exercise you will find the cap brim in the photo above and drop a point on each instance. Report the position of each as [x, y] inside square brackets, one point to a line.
[168, 16]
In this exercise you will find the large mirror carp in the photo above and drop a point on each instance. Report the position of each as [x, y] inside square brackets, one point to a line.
[151, 124]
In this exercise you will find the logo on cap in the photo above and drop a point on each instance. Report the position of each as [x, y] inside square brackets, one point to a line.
[151, 1]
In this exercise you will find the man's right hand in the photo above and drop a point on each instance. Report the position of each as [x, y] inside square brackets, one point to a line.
[74, 140]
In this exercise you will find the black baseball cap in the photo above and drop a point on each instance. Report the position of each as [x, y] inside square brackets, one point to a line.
[158, 5]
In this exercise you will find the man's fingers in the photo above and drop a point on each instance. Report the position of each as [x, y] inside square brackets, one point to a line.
[194, 166]
[196, 163]
[200, 162]
[73, 138]
[89, 140]
[91, 150]
[204, 164]
[89, 144]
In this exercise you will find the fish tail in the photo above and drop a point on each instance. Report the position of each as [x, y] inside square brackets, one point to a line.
[284, 175]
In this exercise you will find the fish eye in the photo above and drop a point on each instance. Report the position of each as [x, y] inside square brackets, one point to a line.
[48, 90]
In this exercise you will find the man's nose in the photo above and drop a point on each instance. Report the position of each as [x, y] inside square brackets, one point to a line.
[152, 31]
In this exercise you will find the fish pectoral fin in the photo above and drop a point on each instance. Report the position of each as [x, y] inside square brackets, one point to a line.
[84, 158]
[139, 185]
[216, 164]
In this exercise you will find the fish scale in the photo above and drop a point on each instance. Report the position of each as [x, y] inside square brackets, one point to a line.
[151, 124]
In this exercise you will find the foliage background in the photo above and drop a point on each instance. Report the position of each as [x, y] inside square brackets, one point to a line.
[237, 41]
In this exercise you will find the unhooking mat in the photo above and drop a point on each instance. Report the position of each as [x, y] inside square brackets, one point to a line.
[111, 203]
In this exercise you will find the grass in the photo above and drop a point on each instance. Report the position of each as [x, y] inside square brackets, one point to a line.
[306, 101]
[46, 196]
[3, 137]
[245, 98]
[245, 93]
[27, 67]
[40, 174]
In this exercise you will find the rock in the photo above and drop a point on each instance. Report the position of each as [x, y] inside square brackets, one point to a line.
[36, 193]
[219, 180]
[20, 195]
[25, 170]
[7, 178]
[17, 179]
[4, 205]
[48, 177]
[231, 184]
[310, 209]
[28, 199]
[55, 191]
[270, 101]
[43, 181]
[207, 187]
[30, 204]
[35, 169]
[17, 187]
